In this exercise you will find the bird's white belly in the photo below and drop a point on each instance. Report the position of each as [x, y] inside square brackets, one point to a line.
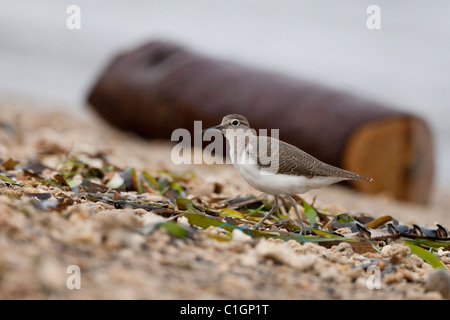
[246, 166]
[281, 183]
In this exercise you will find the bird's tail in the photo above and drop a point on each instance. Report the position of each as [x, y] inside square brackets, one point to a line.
[358, 177]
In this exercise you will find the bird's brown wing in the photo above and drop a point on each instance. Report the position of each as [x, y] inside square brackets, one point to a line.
[294, 161]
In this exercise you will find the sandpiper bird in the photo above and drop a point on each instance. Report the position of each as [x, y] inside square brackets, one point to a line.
[276, 167]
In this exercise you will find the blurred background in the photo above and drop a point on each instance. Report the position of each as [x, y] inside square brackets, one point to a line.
[406, 63]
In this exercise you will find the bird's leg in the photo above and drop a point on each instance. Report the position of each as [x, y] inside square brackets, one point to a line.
[268, 214]
[294, 204]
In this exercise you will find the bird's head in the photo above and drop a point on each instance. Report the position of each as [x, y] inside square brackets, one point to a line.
[232, 121]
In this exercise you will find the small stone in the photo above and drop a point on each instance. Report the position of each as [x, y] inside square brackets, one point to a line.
[330, 274]
[439, 280]
[281, 253]
[183, 221]
[417, 261]
[271, 250]
[395, 277]
[397, 252]
[239, 236]
[345, 230]
[51, 274]
[248, 260]
[308, 247]
[140, 212]
[82, 232]
[119, 238]
[344, 248]
[150, 218]
[407, 275]
[304, 262]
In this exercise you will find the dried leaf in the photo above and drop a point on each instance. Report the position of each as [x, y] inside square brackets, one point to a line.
[121, 204]
[310, 213]
[203, 221]
[94, 173]
[116, 182]
[35, 168]
[344, 221]
[40, 196]
[9, 164]
[363, 246]
[257, 210]
[152, 181]
[59, 204]
[183, 203]
[237, 203]
[89, 186]
[375, 223]
[363, 232]
[344, 218]
[231, 213]
[174, 229]
[76, 181]
[137, 182]
[60, 179]
[117, 196]
[175, 191]
[127, 178]
[430, 258]
[429, 243]
[6, 179]
[163, 185]
[441, 232]
[186, 205]
[327, 234]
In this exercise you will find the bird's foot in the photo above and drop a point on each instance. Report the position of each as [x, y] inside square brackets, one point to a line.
[303, 229]
[268, 214]
[258, 225]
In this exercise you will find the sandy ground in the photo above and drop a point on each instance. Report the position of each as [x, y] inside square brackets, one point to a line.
[37, 246]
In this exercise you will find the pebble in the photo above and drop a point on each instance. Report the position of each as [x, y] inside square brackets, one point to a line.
[439, 280]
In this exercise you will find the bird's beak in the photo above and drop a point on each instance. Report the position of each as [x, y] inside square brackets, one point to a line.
[218, 127]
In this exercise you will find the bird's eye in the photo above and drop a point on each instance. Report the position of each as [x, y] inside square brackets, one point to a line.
[235, 122]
